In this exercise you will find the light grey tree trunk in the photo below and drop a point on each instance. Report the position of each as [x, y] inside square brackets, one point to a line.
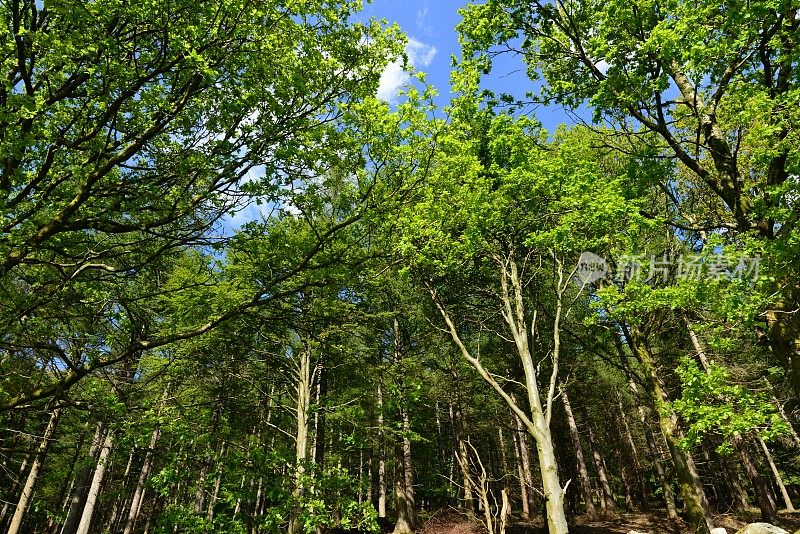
[538, 422]
[302, 414]
[501, 443]
[97, 481]
[33, 475]
[583, 473]
[381, 457]
[138, 493]
[408, 473]
[775, 473]
[522, 474]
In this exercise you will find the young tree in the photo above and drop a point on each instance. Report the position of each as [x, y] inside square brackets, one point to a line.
[502, 212]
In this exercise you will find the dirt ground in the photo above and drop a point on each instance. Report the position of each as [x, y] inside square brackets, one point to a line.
[455, 523]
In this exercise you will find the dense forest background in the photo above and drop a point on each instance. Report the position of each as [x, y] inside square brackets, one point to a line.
[443, 311]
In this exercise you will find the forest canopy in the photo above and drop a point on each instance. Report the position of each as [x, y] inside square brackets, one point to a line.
[244, 291]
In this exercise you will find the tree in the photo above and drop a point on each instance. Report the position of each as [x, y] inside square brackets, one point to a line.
[502, 212]
[710, 82]
[129, 131]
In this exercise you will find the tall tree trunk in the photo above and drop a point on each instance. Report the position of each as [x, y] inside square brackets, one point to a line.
[218, 473]
[652, 445]
[695, 503]
[583, 473]
[256, 513]
[626, 482]
[634, 451]
[541, 406]
[765, 502]
[441, 442]
[522, 472]
[202, 492]
[399, 347]
[463, 457]
[381, 456]
[740, 500]
[501, 444]
[33, 474]
[403, 522]
[319, 417]
[138, 493]
[121, 502]
[459, 425]
[301, 432]
[408, 473]
[13, 491]
[607, 502]
[97, 482]
[65, 493]
[82, 481]
[775, 473]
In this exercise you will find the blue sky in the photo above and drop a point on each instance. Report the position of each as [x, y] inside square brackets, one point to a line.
[430, 26]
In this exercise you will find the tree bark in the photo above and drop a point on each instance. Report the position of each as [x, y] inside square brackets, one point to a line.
[138, 493]
[740, 500]
[217, 481]
[775, 473]
[522, 472]
[501, 444]
[463, 458]
[402, 524]
[765, 502]
[319, 418]
[381, 456]
[81, 488]
[607, 501]
[655, 450]
[408, 473]
[97, 481]
[408, 467]
[33, 475]
[695, 503]
[637, 464]
[301, 433]
[121, 503]
[23, 468]
[583, 473]
[538, 424]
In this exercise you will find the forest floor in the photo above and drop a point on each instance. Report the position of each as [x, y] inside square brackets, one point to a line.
[455, 523]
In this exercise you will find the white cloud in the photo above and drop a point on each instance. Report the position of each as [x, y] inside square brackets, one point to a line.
[602, 66]
[422, 15]
[423, 23]
[419, 54]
